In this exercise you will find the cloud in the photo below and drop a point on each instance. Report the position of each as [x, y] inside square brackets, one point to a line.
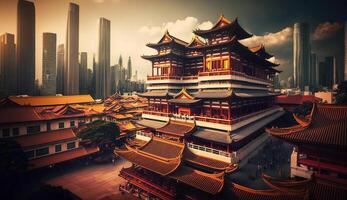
[181, 28]
[280, 61]
[325, 30]
[270, 39]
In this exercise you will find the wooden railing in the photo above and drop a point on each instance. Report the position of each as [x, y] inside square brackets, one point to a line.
[211, 119]
[163, 77]
[158, 113]
[229, 72]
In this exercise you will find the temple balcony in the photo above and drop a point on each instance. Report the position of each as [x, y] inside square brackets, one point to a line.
[212, 153]
[171, 79]
[232, 75]
[211, 122]
[217, 85]
[144, 136]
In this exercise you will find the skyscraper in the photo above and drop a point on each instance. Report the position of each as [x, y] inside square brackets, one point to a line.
[345, 65]
[129, 69]
[25, 47]
[313, 71]
[71, 68]
[327, 71]
[83, 73]
[301, 54]
[8, 68]
[113, 79]
[60, 69]
[103, 76]
[49, 76]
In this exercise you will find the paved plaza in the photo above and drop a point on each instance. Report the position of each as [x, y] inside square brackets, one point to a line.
[93, 182]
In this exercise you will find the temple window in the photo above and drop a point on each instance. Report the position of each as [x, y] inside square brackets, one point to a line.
[58, 148]
[209, 65]
[42, 151]
[71, 145]
[6, 132]
[61, 125]
[226, 64]
[33, 129]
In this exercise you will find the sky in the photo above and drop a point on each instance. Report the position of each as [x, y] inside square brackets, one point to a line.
[137, 22]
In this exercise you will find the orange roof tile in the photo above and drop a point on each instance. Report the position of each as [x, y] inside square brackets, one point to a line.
[210, 183]
[152, 163]
[50, 100]
[18, 114]
[177, 128]
[327, 127]
[39, 139]
[60, 157]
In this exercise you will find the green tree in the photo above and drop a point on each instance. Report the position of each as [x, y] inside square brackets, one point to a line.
[13, 164]
[99, 133]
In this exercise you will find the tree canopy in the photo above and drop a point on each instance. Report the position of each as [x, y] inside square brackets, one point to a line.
[99, 132]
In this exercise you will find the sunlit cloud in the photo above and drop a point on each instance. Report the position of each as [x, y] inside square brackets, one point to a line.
[181, 28]
[326, 30]
[279, 38]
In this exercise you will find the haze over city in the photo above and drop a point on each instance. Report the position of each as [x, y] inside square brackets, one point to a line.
[135, 23]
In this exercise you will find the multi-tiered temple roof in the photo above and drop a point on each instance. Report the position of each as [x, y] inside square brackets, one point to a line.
[223, 24]
[325, 126]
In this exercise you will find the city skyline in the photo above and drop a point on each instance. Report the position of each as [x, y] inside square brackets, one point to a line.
[277, 36]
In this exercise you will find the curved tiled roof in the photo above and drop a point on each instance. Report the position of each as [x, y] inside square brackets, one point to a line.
[317, 188]
[207, 162]
[225, 24]
[45, 138]
[210, 183]
[148, 161]
[156, 147]
[177, 128]
[244, 193]
[327, 127]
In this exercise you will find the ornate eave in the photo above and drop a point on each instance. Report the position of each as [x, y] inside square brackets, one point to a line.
[224, 24]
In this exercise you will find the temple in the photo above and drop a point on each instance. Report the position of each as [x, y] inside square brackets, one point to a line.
[208, 103]
[320, 142]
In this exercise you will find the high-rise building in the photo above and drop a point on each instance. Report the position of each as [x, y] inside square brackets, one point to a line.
[103, 76]
[313, 71]
[71, 68]
[83, 73]
[345, 65]
[25, 47]
[60, 69]
[329, 71]
[301, 54]
[117, 76]
[113, 79]
[290, 81]
[129, 69]
[120, 61]
[8, 68]
[322, 76]
[49, 76]
[93, 76]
